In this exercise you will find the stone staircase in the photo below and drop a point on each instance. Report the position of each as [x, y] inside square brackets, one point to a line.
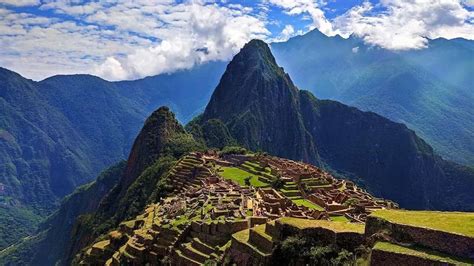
[189, 172]
[290, 190]
[259, 239]
[196, 251]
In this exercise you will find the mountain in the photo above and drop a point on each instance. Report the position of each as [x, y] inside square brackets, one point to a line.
[257, 105]
[120, 192]
[429, 89]
[255, 96]
[186, 92]
[160, 143]
[59, 133]
[262, 109]
[50, 243]
[42, 156]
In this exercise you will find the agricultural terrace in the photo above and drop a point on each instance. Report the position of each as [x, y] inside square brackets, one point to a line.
[420, 252]
[452, 222]
[307, 203]
[330, 225]
[238, 175]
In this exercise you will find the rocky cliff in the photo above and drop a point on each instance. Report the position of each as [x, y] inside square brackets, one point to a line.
[262, 109]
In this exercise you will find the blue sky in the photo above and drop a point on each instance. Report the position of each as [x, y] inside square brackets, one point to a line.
[132, 39]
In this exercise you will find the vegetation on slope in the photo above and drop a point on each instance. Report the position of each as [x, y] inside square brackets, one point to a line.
[242, 177]
[53, 236]
[297, 249]
[263, 110]
[422, 253]
[428, 89]
[157, 148]
[453, 222]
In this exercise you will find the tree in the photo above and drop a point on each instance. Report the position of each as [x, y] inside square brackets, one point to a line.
[247, 180]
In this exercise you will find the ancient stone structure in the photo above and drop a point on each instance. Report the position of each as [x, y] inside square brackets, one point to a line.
[208, 214]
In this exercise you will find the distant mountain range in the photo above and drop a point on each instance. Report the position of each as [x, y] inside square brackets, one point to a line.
[430, 90]
[59, 133]
[256, 105]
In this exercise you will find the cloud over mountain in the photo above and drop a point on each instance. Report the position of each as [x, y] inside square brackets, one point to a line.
[132, 39]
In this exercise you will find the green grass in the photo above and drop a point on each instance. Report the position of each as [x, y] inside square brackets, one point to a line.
[306, 203]
[420, 252]
[334, 226]
[453, 222]
[339, 219]
[183, 219]
[260, 229]
[238, 175]
[242, 236]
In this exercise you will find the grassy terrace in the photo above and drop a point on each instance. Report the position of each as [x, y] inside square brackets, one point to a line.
[238, 175]
[335, 226]
[243, 237]
[419, 252]
[260, 229]
[257, 167]
[307, 203]
[461, 223]
[339, 219]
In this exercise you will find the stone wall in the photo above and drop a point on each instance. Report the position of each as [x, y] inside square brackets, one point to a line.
[379, 257]
[260, 241]
[255, 220]
[449, 243]
[243, 254]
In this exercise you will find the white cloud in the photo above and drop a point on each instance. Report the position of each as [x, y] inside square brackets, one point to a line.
[193, 34]
[287, 32]
[20, 2]
[406, 24]
[307, 7]
[469, 3]
[402, 24]
[131, 39]
[125, 39]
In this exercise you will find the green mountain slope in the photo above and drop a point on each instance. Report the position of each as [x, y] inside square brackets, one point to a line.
[41, 156]
[255, 104]
[253, 88]
[262, 109]
[59, 133]
[429, 89]
[159, 144]
[52, 240]
[119, 193]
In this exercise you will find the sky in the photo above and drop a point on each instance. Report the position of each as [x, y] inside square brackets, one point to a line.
[120, 40]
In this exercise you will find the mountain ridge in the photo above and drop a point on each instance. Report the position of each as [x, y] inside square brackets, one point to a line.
[92, 123]
[363, 146]
[388, 157]
[363, 76]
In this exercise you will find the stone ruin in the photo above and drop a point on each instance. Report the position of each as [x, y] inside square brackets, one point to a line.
[196, 222]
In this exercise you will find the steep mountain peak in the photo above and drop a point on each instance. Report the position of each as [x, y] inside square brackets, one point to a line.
[160, 127]
[252, 76]
[258, 52]
[253, 97]
[255, 58]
